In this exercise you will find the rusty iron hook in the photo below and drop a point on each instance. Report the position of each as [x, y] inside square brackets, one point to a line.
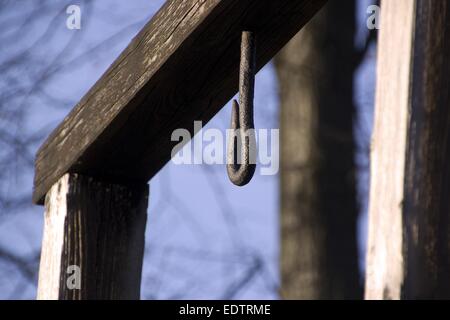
[241, 169]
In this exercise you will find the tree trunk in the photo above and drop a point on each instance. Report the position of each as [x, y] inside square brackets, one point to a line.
[318, 198]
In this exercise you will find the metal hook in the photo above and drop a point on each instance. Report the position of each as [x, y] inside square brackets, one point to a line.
[241, 169]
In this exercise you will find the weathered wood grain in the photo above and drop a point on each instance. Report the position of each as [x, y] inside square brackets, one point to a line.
[427, 184]
[98, 227]
[183, 66]
[409, 232]
[384, 271]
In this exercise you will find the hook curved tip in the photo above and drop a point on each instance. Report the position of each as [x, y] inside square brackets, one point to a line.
[239, 174]
[234, 115]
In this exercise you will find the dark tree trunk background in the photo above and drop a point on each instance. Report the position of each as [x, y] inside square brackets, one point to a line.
[319, 210]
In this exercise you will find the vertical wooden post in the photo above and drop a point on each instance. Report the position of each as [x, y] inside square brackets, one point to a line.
[99, 228]
[409, 232]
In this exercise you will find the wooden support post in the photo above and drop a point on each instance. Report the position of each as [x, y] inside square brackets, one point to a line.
[409, 233]
[95, 231]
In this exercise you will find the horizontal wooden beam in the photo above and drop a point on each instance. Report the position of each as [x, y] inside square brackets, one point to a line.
[183, 66]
